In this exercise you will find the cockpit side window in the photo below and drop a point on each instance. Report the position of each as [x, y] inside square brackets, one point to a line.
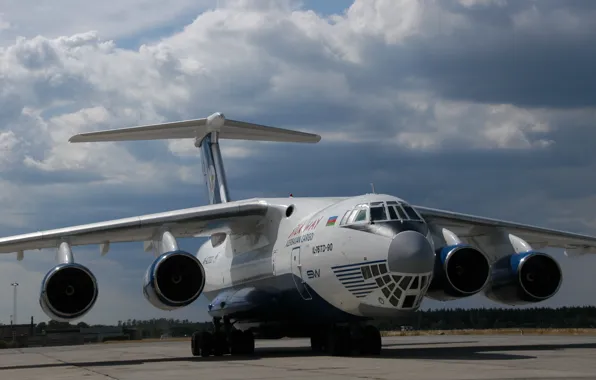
[344, 218]
[361, 216]
[354, 213]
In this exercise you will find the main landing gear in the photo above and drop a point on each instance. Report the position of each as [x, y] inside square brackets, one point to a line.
[344, 340]
[222, 341]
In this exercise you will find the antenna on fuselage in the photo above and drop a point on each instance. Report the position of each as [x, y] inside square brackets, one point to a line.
[373, 187]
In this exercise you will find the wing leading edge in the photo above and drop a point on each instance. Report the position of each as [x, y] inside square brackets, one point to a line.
[470, 226]
[240, 217]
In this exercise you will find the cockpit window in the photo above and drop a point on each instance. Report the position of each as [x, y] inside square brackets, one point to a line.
[410, 211]
[352, 216]
[392, 213]
[400, 211]
[380, 211]
[344, 219]
[361, 216]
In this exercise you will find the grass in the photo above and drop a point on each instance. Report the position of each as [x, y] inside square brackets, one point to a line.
[149, 340]
[508, 331]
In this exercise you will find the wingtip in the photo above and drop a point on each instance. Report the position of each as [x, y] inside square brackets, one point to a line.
[77, 139]
[74, 138]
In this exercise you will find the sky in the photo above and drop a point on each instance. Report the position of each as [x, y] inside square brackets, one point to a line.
[479, 106]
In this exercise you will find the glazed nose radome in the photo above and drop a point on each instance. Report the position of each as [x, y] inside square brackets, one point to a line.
[410, 252]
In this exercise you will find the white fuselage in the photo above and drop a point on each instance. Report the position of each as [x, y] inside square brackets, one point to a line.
[328, 263]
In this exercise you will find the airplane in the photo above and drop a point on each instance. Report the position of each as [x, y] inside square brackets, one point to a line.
[323, 268]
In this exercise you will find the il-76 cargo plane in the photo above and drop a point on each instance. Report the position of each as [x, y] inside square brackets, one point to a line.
[317, 267]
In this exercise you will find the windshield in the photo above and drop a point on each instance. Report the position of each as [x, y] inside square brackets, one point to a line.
[379, 212]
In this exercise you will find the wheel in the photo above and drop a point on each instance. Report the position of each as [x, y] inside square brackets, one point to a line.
[237, 342]
[205, 342]
[195, 344]
[220, 344]
[338, 342]
[317, 342]
[371, 341]
[249, 341]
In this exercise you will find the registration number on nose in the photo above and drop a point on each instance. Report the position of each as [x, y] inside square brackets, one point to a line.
[322, 248]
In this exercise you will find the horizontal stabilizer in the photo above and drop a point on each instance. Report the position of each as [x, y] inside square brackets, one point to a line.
[197, 129]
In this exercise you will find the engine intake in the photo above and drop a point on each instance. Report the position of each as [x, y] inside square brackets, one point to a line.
[68, 291]
[175, 279]
[524, 278]
[460, 271]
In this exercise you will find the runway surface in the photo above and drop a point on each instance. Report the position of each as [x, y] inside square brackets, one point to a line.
[433, 357]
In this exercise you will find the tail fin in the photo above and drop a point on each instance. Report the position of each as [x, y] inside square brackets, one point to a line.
[206, 132]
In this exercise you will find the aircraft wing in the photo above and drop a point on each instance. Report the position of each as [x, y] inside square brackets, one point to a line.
[470, 226]
[240, 217]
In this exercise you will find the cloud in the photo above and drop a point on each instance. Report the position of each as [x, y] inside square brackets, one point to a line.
[444, 103]
[67, 17]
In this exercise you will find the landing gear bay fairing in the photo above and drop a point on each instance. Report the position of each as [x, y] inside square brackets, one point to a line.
[322, 268]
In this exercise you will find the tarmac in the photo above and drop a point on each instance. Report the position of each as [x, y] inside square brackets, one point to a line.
[417, 357]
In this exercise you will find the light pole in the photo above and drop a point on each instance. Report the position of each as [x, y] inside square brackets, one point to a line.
[14, 303]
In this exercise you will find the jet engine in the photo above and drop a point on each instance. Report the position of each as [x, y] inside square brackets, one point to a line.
[460, 271]
[68, 291]
[175, 279]
[524, 278]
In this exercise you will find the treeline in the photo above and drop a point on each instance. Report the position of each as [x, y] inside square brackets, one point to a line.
[152, 328]
[155, 328]
[454, 319]
[440, 319]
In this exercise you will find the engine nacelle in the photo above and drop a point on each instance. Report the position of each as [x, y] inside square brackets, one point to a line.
[460, 271]
[68, 292]
[524, 278]
[174, 280]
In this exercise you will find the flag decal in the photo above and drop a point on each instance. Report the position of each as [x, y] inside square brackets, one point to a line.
[331, 221]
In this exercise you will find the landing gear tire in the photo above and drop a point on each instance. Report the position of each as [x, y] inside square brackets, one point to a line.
[205, 343]
[250, 342]
[237, 344]
[220, 344]
[242, 343]
[317, 343]
[339, 342]
[371, 341]
[195, 344]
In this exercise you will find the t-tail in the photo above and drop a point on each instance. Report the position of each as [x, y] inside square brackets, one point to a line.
[206, 132]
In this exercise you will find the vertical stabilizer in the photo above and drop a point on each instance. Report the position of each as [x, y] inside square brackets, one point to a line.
[213, 169]
[207, 133]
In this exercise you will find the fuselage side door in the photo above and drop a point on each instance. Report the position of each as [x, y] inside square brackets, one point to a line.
[297, 274]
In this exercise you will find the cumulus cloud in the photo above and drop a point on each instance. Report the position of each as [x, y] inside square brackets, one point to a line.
[119, 19]
[425, 88]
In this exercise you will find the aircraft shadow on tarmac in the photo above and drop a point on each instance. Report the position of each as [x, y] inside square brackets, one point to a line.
[393, 351]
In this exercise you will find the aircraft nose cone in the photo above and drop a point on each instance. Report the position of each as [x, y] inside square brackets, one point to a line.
[410, 252]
